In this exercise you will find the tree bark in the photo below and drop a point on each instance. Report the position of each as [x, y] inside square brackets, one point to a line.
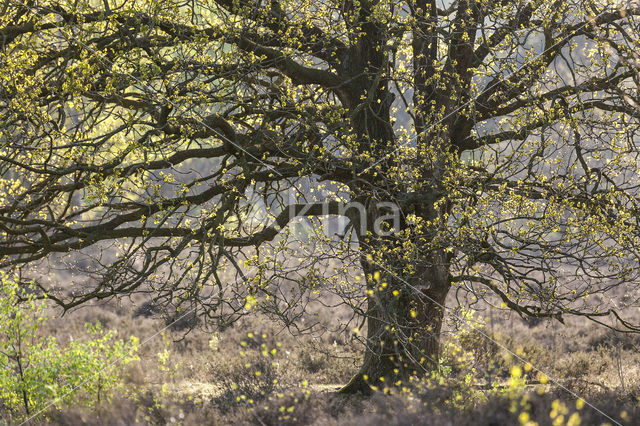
[404, 321]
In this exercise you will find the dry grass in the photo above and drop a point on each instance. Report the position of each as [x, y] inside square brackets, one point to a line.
[254, 372]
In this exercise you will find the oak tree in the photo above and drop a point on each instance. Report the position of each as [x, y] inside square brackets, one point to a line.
[482, 149]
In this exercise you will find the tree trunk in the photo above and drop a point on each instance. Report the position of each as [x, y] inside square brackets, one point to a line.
[404, 313]
[404, 321]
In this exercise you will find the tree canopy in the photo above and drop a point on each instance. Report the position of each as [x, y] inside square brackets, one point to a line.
[482, 149]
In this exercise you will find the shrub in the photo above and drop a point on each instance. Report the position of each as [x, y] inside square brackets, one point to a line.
[36, 372]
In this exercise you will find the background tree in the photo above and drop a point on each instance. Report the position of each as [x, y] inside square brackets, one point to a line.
[164, 147]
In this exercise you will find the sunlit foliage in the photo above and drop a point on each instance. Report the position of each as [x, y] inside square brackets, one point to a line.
[180, 148]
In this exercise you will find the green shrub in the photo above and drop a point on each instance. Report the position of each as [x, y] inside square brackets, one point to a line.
[36, 372]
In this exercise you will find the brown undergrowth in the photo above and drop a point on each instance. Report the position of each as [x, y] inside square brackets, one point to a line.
[254, 372]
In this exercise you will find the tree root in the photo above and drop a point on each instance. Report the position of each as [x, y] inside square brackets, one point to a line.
[357, 384]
